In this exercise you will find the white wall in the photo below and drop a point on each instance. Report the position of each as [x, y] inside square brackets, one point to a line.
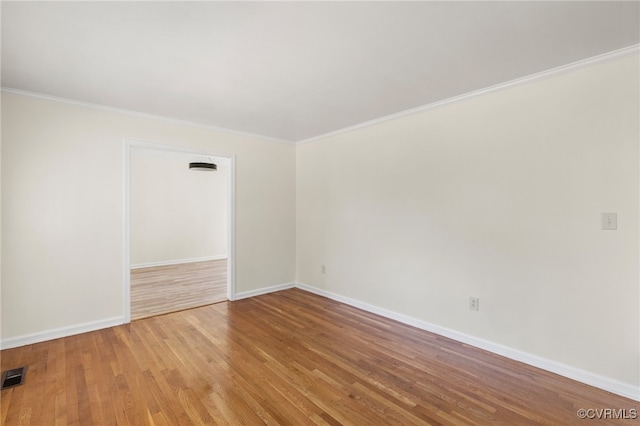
[63, 210]
[498, 197]
[176, 213]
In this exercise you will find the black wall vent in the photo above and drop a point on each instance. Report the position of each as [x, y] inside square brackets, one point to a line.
[13, 377]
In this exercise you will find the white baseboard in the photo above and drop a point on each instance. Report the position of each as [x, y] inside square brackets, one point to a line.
[265, 290]
[177, 262]
[601, 382]
[56, 333]
[595, 380]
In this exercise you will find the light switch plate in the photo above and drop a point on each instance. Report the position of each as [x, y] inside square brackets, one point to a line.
[610, 221]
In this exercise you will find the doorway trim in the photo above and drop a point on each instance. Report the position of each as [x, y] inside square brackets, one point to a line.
[129, 144]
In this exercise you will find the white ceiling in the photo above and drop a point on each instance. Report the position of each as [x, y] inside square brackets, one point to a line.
[294, 70]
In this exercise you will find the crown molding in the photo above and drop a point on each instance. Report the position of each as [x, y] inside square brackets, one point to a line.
[500, 86]
[630, 50]
[140, 114]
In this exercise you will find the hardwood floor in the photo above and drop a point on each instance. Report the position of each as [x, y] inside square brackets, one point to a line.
[162, 289]
[289, 358]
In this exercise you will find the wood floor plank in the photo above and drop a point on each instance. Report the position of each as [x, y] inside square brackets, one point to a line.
[289, 358]
[162, 289]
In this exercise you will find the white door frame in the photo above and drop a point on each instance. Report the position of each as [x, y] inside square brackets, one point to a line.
[231, 236]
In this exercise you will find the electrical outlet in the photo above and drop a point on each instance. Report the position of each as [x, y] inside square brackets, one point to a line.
[323, 269]
[474, 303]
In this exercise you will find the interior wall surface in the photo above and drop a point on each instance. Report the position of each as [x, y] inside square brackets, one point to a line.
[177, 214]
[497, 197]
[63, 214]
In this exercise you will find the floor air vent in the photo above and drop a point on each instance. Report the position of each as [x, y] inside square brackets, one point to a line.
[13, 377]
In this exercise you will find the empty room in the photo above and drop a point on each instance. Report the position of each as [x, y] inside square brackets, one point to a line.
[320, 213]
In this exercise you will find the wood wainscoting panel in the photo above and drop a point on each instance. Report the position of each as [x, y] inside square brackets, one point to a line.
[287, 358]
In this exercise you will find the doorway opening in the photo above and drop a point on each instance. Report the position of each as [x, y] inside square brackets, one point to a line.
[179, 229]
